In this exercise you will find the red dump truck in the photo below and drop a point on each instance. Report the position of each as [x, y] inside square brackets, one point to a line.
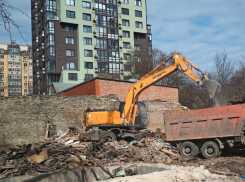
[208, 131]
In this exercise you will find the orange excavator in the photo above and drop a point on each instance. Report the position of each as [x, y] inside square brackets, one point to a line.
[131, 118]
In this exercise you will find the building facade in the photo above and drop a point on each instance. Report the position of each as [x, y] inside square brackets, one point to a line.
[16, 70]
[75, 40]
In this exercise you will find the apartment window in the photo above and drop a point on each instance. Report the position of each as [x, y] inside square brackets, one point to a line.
[88, 53]
[25, 71]
[89, 77]
[69, 28]
[72, 76]
[70, 2]
[2, 63]
[14, 82]
[2, 84]
[125, 1]
[30, 57]
[126, 34]
[1, 56]
[86, 4]
[126, 56]
[30, 70]
[126, 45]
[25, 78]
[1, 70]
[69, 40]
[30, 64]
[2, 51]
[87, 29]
[70, 53]
[125, 23]
[14, 69]
[50, 27]
[138, 24]
[2, 77]
[2, 90]
[127, 68]
[14, 76]
[86, 17]
[137, 2]
[25, 65]
[138, 13]
[137, 47]
[88, 65]
[70, 14]
[87, 41]
[70, 65]
[125, 11]
[25, 91]
[30, 77]
[51, 40]
[11, 90]
[31, 91]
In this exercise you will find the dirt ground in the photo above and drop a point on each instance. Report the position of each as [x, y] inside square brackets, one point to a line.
[178, 174]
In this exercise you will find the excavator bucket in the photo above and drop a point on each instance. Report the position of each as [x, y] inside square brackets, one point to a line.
[213, 88]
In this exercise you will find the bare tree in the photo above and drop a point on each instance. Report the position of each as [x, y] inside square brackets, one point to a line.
[6, 16]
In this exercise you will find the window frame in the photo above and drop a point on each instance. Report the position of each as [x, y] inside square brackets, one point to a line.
[70, 2]
[87, 40]
[88, 63]
[138, 12]
[70, 40]
[86, 4]
[86, 15]
[124, 32]
[90, 53]
[124, 22]
[71, 51]
[70, 13]
[71, 76]
[87, 29]
[69, 28]
[125, 11]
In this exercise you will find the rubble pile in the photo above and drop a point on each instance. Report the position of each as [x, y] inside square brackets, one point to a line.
[66, 152]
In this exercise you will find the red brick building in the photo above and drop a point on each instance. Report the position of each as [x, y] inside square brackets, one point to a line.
[101, 87]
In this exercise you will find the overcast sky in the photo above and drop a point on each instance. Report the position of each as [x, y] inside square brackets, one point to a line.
[197, 28]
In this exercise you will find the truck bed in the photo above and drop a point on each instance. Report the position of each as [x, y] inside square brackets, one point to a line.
[216, 122]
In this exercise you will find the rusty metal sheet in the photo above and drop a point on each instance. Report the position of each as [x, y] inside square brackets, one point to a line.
[205, 123]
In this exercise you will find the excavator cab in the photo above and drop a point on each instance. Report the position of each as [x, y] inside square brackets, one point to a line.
[141, 120]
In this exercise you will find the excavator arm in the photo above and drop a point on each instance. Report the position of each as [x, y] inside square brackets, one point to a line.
[180, 63]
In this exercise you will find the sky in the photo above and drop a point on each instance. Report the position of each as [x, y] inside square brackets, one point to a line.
[197, 29]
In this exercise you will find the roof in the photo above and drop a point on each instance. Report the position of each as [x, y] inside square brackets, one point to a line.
[76, 85]
[60, 87]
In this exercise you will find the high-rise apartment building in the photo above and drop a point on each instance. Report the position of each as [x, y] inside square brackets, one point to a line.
[74, 40]
[16, 73]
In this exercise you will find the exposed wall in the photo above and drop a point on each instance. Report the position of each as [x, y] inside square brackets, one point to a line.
[102, 87]
[25, 118]
[152, 93]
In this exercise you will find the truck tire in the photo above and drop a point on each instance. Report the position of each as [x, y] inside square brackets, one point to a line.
[141, 135]
[108, 134]
[189, 149]
[210, 150]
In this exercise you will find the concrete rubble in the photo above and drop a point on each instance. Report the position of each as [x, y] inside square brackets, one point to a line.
[66, 152]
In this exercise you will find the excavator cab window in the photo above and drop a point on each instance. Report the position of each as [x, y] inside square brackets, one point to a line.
[141, 116]
[121, 108]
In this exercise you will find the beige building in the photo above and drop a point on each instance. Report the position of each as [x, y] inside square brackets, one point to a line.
[16, 71]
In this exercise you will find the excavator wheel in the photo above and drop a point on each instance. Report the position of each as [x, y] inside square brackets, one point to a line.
[141, 135]
[108, 135]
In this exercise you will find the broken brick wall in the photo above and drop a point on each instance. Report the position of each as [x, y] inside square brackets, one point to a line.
[25, 118]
